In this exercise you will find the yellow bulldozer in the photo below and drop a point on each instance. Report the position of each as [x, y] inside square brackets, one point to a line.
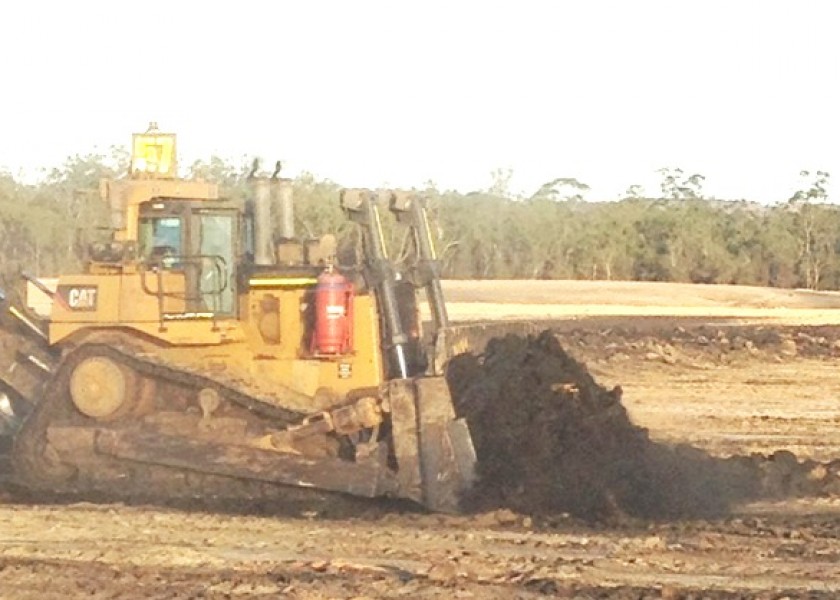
[206, 341]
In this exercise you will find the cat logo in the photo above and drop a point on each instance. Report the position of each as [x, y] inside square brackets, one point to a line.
[77, 297]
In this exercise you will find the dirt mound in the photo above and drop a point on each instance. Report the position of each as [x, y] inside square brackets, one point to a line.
[551, 440]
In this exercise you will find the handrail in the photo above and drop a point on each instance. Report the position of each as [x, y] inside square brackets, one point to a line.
[176, 263]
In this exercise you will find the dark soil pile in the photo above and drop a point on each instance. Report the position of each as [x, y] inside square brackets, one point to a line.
[551, 440]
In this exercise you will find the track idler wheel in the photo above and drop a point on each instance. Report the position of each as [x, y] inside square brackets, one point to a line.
[102, 389]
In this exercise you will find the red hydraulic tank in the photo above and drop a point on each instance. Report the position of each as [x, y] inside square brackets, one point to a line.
[333, 314]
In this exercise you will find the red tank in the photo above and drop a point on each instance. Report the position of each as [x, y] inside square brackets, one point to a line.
[333, 314]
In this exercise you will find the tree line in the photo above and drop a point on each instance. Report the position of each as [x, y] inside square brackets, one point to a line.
[674, 235]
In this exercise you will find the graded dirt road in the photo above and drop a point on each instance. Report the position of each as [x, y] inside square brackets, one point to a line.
[728, 386]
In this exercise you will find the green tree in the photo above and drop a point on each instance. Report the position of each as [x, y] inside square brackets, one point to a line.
[562, 189]
[676, 185]
[815, 224]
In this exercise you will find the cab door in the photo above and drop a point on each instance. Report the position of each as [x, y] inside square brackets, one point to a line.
[192, 249]
[214, 234]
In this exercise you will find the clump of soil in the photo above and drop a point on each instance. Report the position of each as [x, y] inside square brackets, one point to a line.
[551, 440]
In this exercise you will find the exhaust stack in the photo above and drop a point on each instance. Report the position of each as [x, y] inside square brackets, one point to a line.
[263, 244]
[287, 209]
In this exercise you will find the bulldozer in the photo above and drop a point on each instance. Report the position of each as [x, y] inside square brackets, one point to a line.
[205, 341]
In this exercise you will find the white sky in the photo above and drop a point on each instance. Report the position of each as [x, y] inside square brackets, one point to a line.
[371, 93]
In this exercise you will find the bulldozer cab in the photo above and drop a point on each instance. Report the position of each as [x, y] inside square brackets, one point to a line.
[200, 241]
[183, 240]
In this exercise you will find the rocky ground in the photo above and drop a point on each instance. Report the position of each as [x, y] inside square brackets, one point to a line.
[588, 489]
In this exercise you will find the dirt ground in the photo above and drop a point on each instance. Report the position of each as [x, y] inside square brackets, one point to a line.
[479, 300]
[729, 386]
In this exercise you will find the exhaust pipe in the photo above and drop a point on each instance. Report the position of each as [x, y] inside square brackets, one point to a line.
[286, 207]
[263, 244]
[267, 191]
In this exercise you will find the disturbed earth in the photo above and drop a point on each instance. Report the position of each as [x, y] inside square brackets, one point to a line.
[619, 458]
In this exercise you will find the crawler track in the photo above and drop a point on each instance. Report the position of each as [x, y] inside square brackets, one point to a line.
[34, 470]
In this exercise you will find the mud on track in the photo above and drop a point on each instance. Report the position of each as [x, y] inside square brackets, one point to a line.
[619, 532]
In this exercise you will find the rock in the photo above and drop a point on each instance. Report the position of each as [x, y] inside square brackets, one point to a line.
[506, 516]
[503, 516]
[527, 522]
[804, 337]
[739, 342]
[788, 348]
[483, 571]
[443, 572]
[661, 356]
[818, 473]
[319, 566]
[654, 542]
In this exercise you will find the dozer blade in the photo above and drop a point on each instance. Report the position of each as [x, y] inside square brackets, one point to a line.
[434, 450]
[453, 340]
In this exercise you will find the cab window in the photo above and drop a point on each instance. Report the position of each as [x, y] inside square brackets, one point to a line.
[160, 239]
[216, 248]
